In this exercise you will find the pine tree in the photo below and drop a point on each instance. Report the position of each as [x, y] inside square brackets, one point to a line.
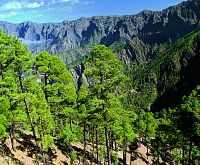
[82, 103]
[58, 89]
[103, 70]
[189, 121]
[39, 109]
[23, 103]
[14, 65]
[4, 108]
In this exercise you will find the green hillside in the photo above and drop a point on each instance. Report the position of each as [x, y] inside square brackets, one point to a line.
[172, 73]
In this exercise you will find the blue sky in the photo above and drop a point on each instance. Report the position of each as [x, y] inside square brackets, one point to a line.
[58, 10]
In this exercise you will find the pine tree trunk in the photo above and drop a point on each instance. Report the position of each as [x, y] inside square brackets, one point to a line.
[130, 157]
[92, 144]
[84, 137]
[29, 117]
[107, 146]
[1, 72]
[40, 135]
[111, 141]
[124, 156]
[12, 136]
[97, 146]
[190, 153]
[147, 152]
[27, 108]
[140, 140]
[183, 155]
[45, 83]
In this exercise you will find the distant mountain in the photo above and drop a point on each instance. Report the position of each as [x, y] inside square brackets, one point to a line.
[147, 26]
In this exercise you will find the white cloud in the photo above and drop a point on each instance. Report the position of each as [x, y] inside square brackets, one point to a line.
[20, 5]
[66, 1]
[6, 15]
[34, 5]
[13, 13]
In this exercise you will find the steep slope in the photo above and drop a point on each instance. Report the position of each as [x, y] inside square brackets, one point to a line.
[172, 74]
[148, 26]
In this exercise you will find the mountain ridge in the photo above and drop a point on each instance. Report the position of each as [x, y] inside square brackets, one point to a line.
[147, 26]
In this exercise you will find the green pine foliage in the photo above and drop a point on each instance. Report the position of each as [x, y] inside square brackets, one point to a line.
[109, 113]
[104, 72]
[177, 138]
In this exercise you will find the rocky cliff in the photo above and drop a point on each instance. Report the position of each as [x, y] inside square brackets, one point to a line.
[147, 26]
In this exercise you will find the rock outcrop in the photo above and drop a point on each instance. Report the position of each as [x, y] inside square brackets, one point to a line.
[147, 26]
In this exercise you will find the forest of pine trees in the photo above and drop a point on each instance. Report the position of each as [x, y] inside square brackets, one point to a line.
[38, 97]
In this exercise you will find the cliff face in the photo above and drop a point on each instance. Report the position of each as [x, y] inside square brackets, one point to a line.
[147, 26]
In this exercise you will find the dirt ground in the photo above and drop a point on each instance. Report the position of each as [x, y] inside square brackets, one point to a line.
[21, 156]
